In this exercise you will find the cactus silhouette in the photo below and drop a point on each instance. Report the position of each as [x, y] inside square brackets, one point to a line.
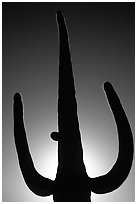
[72, 182]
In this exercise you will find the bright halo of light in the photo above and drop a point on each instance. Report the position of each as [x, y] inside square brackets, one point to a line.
[47, 164]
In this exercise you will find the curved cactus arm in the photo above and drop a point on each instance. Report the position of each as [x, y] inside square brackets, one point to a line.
[119, 172]
[36, 183]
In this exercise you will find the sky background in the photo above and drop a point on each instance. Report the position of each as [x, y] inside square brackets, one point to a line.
[101, 39]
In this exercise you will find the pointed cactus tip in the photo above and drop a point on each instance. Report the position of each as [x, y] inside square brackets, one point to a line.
[58, 12]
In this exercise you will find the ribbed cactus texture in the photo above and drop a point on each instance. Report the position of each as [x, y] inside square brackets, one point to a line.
[72, 182]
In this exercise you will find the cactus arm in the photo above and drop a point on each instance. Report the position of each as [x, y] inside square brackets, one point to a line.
[36, 183]
[119, 172]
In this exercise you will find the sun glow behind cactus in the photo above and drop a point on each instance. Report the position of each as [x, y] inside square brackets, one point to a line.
[47, 162]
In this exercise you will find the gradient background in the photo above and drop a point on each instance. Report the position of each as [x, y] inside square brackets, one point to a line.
[102, 48]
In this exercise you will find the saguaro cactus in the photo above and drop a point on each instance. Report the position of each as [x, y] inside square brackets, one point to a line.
[72, 182]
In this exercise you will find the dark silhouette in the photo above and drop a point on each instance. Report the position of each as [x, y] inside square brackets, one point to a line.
[72, 182]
